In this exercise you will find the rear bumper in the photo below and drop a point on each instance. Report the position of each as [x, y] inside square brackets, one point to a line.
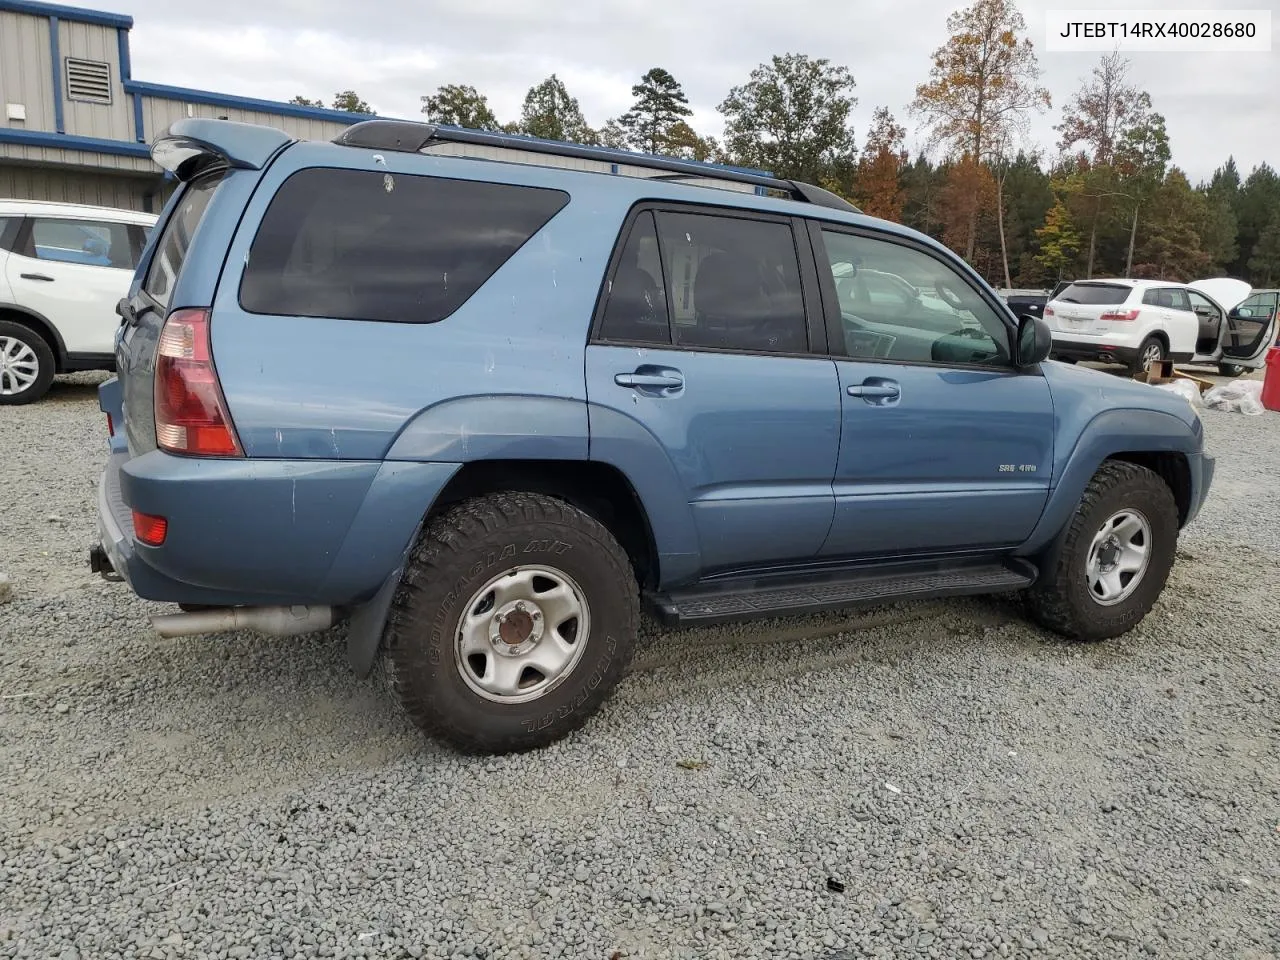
[262, 532]
[1102, 351]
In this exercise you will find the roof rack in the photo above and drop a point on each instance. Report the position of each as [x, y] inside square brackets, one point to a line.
[406, 136]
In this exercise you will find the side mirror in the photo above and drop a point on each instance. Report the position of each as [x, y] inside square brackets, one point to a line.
[1035, 341]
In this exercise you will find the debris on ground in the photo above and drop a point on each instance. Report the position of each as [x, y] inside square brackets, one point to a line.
[1238, 396]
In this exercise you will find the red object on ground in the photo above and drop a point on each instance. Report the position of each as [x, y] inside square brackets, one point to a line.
[1271, 383]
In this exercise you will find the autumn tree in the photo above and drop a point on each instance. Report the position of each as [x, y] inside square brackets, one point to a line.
[983, 84]
[1059, 240]
[969, 189]
[660, 103]
[1096, 119]
[878, 186]
[792, 117]
[681, 140]
[551, 113]
[460, 105]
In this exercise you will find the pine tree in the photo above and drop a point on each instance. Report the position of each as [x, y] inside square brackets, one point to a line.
[660, 104]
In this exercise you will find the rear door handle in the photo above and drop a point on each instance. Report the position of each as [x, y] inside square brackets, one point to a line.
[648, 380]
[36, 276]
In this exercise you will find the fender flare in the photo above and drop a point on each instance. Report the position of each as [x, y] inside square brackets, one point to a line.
[1110, 432]
[42, 327]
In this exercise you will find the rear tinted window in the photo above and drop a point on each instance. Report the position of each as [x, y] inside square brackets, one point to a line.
[176, 238]
[1096, 293]
[366, 245]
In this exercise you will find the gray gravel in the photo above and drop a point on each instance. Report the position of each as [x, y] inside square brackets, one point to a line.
[935, 780]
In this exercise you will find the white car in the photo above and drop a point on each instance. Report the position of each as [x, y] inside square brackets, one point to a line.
[63, 269]
[1134, 322]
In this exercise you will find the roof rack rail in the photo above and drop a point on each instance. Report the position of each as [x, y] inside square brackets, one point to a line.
[407, 136]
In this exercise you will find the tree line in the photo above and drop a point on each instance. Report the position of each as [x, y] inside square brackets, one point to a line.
[1105, 200]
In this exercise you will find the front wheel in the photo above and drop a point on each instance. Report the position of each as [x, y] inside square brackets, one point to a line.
[514, 621]
[26, 364]
[1231, 370]
[1113, 559]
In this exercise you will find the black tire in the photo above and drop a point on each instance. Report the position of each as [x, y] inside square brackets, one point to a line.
[456, 556]
[1061, 599]
[1148, 346]
[46, 364]
[1231, 370]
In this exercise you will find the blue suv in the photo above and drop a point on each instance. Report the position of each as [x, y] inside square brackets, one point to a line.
[485, 398]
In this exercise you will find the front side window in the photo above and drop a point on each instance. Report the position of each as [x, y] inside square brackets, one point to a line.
[899, 303]
[88, 242]
[1260, 305]
[734, 282]
[365, 245]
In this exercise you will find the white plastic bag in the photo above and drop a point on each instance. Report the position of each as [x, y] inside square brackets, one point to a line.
[1185, 388]
[1244, 396]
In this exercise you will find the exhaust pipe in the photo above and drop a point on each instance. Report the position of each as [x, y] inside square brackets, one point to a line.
[273, 621]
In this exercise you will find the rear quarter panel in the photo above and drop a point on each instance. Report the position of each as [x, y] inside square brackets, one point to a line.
[308, 388]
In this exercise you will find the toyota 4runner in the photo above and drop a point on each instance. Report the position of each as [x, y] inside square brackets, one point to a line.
[484, 398]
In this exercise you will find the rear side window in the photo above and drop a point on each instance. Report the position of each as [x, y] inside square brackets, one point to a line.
[1100, 294]
[364, 245]
[176, 239]
[92, 243]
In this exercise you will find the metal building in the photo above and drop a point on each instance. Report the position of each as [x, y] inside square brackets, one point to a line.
[76, 125]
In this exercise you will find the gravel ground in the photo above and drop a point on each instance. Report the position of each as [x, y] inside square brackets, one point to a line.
[936, 780]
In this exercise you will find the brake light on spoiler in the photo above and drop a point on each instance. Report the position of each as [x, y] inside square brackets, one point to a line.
[190, 410]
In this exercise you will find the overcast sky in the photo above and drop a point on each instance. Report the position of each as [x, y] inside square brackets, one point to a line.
[393, 51]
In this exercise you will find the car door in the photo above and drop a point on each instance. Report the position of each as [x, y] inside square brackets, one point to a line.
[701, 353]
[944, 445]
[1250, 329]
[73, 271]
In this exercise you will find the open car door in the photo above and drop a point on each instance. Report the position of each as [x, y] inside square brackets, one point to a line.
[1247, 332]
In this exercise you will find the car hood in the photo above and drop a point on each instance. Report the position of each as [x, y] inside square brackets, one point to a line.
[1074, 385]
[1224, 291]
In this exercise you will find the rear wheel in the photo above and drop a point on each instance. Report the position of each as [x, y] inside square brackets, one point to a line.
[27, 365]
[514, 621]
[1113, 559]
[1151, 351]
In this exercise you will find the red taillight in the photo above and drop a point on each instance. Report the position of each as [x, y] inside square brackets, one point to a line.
[1048, 311]
[1120, 315]
[111, 426]
[150, 530]
[191, 413]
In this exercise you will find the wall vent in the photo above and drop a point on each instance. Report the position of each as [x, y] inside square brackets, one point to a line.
[88, 80]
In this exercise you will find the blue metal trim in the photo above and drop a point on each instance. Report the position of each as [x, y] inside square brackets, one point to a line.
[38, 138]
[243, 103]
[122, 41]
[139, 128]
[78, 14]
[55, 54]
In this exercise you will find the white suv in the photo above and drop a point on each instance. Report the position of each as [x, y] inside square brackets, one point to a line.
[1137, 321]
[63, 269]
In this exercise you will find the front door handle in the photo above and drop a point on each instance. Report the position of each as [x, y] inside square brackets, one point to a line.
[651, 380]
[870, 390]
[36, 276]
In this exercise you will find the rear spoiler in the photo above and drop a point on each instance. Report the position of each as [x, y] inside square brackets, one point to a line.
[192, 146]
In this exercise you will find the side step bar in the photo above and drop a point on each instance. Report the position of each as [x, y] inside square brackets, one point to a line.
[742, 598]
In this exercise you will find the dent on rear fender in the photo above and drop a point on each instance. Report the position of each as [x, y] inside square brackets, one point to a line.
[504, 427]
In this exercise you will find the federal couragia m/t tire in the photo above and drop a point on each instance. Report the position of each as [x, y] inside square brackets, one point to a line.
[514, 621]
[1114, 557]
